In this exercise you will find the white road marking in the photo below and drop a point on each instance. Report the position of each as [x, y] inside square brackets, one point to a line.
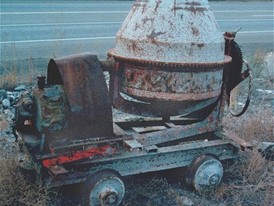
[61, 12]
[254, 32]
[242, 11]
[243, 20]
[115, 22]
[54, 40]
[102, 38]
[113, 12]
[62, 24]
[264, 16]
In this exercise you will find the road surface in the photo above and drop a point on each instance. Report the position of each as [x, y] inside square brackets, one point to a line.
[33, 32]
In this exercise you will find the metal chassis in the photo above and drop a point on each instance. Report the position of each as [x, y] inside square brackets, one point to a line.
[173, 147]
[136, 162]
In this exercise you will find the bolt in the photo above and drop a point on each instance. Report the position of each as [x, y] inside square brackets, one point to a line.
[111, 199]
[41, 82]
[214, 180]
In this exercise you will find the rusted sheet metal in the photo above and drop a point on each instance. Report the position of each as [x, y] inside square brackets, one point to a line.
[161, 99]
[151, 83]
[84, 84]
[170, 31]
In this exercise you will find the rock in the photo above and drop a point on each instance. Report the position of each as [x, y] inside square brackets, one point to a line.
[186, 201]
[20, 88]
[267, 149]
[9, 114]
[6, 103]
[9, 93]
[3, 124]
[11, 98]
[3, 94]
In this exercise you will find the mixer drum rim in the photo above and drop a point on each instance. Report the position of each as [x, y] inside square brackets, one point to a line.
[182, 66]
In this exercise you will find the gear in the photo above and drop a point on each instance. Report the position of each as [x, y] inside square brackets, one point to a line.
[233, 50]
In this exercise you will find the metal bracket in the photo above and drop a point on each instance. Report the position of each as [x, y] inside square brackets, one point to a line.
[133, 145]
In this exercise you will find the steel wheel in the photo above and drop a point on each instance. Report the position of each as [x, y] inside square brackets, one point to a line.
[205, 172]
[104, 189]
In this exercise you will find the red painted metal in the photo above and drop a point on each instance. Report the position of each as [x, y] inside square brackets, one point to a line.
[78, 155]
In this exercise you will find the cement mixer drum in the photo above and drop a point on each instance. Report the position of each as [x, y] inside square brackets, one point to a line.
[171, 55]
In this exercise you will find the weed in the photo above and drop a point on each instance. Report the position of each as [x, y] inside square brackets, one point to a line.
[16, 189]
[9, 81]
[249, 181]
[257, 62]
[152, 192]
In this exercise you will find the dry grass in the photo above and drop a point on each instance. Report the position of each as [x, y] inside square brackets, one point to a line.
[17, 189]
[9, 80]
[257, 62]
[255, 126]
[249, 181]
[156, 191]
[10, 77]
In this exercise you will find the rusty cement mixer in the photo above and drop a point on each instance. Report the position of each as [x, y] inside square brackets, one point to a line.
[171, 67]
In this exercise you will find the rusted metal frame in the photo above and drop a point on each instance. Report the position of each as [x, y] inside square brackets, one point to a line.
[130, 163]
[118, 130]
[57, 170]
[211, 123]
[234, 139]
[171, 125]
[142, 130]
[223, 97]
[144, 123]
[157, 122]
[94, 141]
[70, 178]
[152, 138]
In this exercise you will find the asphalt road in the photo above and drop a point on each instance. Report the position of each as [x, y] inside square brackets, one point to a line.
[45, 29]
